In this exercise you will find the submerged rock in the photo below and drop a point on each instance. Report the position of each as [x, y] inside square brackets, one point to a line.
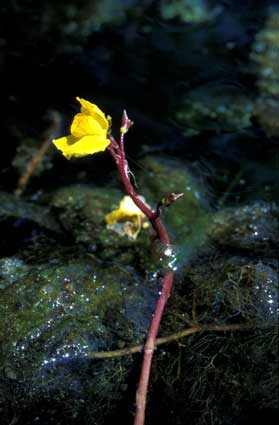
[223, 289]
[53, 317]
[14, 208]
[24, 223]
[252, 227]
[82, 209]
[12, 269]
[216, 108]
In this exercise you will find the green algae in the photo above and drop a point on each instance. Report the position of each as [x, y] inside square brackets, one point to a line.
[215, 378]
[213, 373]
[70, 301]
[55, 315]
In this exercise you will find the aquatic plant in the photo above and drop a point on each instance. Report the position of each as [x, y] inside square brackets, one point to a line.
[90, 133]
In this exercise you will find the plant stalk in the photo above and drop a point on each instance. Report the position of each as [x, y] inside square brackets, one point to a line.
[119, 157]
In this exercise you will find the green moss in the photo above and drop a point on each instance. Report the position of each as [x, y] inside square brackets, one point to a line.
[55, 314]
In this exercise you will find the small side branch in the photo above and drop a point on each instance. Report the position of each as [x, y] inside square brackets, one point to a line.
[171, 338]
[32, 165]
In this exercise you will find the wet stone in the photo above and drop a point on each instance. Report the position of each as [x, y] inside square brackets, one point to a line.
[266, 290]
[12, 207]
[229, 289]
[252, 227]
[219, 108]
[11, 270]
[54, 316]
[81, 210]
[23, 223]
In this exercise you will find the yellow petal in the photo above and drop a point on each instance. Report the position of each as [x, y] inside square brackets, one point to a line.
[76, 147]
[128, 207]
[127, 219]
[113, 217]
[88, 132]
[127, 211]
[85, 125]
[91, 109]
[63, 144]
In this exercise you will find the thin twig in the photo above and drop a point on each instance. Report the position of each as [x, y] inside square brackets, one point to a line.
[170, 338]
[31, 167]
[38, 155]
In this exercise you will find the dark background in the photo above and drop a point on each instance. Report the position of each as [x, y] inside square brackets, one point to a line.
[133, 59]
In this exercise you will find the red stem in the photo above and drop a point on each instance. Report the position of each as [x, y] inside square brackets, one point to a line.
[149, 349]
[162, 234]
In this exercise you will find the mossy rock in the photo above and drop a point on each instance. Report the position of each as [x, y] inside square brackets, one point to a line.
[252, 228]
[53, 316]
[215, 108]
[13, 208]
[81, 211]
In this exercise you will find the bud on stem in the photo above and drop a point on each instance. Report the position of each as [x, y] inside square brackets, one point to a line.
[126, 123]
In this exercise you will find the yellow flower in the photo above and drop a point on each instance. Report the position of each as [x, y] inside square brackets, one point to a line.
[88, 132]
[127, 219]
